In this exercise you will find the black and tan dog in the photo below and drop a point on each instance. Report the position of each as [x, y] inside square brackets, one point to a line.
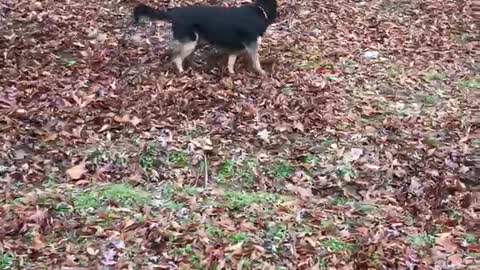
[233, 29]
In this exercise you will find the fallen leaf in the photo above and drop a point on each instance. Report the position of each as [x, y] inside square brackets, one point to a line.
[362, 230]
[264, 134]
[447, 242]
[304, 193]
[50, 137]
[237, 248]
[76, 172]
[455, 260]
[91, 251]
[356, 153]
[38, 242]
[135, 121]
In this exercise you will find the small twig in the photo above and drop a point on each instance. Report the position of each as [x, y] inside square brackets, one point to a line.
[206, 169]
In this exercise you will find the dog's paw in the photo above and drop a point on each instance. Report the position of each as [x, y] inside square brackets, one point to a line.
[262, 73]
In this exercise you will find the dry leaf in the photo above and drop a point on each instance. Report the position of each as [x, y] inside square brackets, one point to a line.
[135, 121]
[455, 260]
[447, 242]
[37, 242]
[50, 137]
[304, 193]
[91, 251]
[237, 248]
[356, 153]
[122, 119]
[76, 172]
[264, 135]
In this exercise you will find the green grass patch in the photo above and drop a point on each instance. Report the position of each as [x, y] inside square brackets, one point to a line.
[179, 158]
[470, 83]
[173, 205]
[312, 159]
[63, 209]
[422, 240]
[331, 78]
[327, 224]
[190, 190]
[346, 170]
[69, 62]
[239, 237]
[431, 141]
[341, 200]
[6, 261]
[287, 91]
[365, 208]
[335, 244]
[394, 71]
[123, 194]
[277, 232]
[226, 170]
[434, 76]
[283, 170]
[476, 142]
[471, 239]
[456, 215]
[431, 99]
[238, 174]
[102, 155]
[147, 158]
[214, 232]
[194, 133]
[239, 200]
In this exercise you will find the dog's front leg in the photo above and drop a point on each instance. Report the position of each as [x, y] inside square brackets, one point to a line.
[256, 63]
[252, 50]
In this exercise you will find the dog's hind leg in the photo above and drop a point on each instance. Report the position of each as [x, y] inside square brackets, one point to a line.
[252, 49]
[182, 50]
[232, 58]
[184, 46]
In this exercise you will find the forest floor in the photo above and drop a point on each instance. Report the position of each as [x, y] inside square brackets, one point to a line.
[354, 152]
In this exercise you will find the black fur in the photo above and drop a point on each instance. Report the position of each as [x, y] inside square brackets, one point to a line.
[229, 28]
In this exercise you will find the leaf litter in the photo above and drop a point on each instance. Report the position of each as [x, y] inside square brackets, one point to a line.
[357, 151]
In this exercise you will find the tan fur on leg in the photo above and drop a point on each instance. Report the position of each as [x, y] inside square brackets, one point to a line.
[181, 51]
[256, 63]
[232, 58]
[252, 50]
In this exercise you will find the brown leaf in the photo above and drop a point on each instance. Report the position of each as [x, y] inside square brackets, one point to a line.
[91, 251]
[237, 248]
[135, 121]
[122, 119]
[37, 242]
[127, 119]
[128, 223]
[447, 242]
[39, 217]
[50, 137]
[356, 153]
[264, 135]
[362, 230]
[455, 260]
[76, 172]
[304, 193]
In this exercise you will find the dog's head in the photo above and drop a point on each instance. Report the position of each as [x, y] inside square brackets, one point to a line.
[270, 7]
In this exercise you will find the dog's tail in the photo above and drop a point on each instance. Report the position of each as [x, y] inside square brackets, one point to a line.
[145, 11]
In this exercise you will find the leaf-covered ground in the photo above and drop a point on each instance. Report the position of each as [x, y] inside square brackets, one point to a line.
[359, 150]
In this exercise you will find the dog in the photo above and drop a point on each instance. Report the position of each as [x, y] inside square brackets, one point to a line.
[233, 29]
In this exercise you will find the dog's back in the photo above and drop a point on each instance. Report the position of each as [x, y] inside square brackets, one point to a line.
[229, 28]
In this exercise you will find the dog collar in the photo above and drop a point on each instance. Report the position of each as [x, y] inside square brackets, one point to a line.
[264, 12]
